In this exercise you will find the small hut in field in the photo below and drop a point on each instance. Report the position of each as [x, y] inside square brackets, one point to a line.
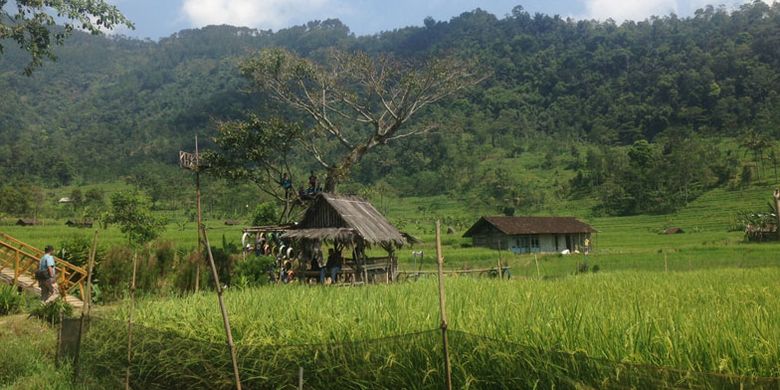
[85, 223]
[673, 230]
[531, 234]
[26, 222]
[352, 223]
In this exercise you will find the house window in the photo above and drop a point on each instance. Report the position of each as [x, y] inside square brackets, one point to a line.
[526, 244]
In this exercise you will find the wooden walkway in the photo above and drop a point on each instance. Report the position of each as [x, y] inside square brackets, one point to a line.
[18, 262]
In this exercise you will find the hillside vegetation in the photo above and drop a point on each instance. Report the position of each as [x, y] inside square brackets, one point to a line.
[641, 117]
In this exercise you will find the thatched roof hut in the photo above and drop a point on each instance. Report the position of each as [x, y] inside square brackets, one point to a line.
[85, 223]
[348, 220]
[26, 222]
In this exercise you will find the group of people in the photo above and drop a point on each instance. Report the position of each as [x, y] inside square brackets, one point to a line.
[291, 264]
[314, 186]
[332, 265]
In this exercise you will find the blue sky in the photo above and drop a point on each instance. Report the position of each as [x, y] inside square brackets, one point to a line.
[161, 18]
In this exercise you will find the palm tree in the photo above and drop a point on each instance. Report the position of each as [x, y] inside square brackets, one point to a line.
[756, 143]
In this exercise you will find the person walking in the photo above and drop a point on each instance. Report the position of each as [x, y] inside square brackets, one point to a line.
[46, 275]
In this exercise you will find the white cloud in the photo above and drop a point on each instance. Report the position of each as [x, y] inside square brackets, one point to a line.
[621, 10]
[273, 14]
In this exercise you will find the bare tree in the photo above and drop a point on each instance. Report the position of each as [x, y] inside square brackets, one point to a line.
[356, 102]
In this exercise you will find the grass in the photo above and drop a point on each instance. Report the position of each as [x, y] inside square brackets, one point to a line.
[28, 349]
[698, 301]
[623, 243]
[715, 321]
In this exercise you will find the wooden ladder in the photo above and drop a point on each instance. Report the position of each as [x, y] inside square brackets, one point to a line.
[19, 261]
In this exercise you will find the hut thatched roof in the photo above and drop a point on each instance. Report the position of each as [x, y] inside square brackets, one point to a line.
[345, 218]
[26, 222]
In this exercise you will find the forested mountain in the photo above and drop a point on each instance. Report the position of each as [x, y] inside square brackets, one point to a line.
[632, 114]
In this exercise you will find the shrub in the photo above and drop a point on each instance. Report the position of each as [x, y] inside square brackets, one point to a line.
[114, 272]
[264, 214]
[50, 312]
[10, 300]
[254, 271]
[185, 270]
[77, 249]
[165, 252]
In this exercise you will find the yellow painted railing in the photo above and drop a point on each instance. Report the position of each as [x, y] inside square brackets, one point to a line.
[24, 260]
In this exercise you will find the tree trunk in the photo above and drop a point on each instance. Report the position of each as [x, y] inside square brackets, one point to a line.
[340, 171]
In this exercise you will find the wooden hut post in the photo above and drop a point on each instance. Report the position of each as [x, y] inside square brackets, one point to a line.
[443, 310]
[361, 252]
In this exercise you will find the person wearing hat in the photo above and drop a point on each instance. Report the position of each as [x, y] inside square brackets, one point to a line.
[46, 274]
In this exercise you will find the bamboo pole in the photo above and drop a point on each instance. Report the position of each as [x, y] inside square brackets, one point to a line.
[536, 260]
[200, 215]
[87, 297]
[776, 195]
[500, 274]
[442, 309]
[222, 307]
[666, 262]
[58, 355]
[130, 322]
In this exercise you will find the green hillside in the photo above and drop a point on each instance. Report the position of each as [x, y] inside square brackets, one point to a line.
[564, 112]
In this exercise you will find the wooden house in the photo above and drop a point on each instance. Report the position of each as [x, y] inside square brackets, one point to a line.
[86, 223]
[352, 223]
[531, 234]
[26, 222]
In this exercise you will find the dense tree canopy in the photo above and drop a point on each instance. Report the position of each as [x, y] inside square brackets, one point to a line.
[30, 22]
[575, 103]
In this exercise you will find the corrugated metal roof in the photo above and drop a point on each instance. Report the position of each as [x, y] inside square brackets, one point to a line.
[343, 211]
[531, 225]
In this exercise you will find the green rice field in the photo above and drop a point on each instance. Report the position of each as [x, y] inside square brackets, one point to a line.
[720, 322]
[693, 310]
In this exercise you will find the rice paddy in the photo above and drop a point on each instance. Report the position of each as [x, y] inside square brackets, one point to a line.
[720, 322]
[697, 309]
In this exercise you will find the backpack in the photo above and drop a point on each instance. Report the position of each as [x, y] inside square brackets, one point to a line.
[42, 274]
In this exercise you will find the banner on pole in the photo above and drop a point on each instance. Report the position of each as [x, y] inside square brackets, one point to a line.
[188, 160]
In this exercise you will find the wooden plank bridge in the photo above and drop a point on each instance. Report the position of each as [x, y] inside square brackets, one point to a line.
[19, 261]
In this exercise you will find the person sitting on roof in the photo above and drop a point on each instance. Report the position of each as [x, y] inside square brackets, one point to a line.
[286, 183]
[312, 181]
